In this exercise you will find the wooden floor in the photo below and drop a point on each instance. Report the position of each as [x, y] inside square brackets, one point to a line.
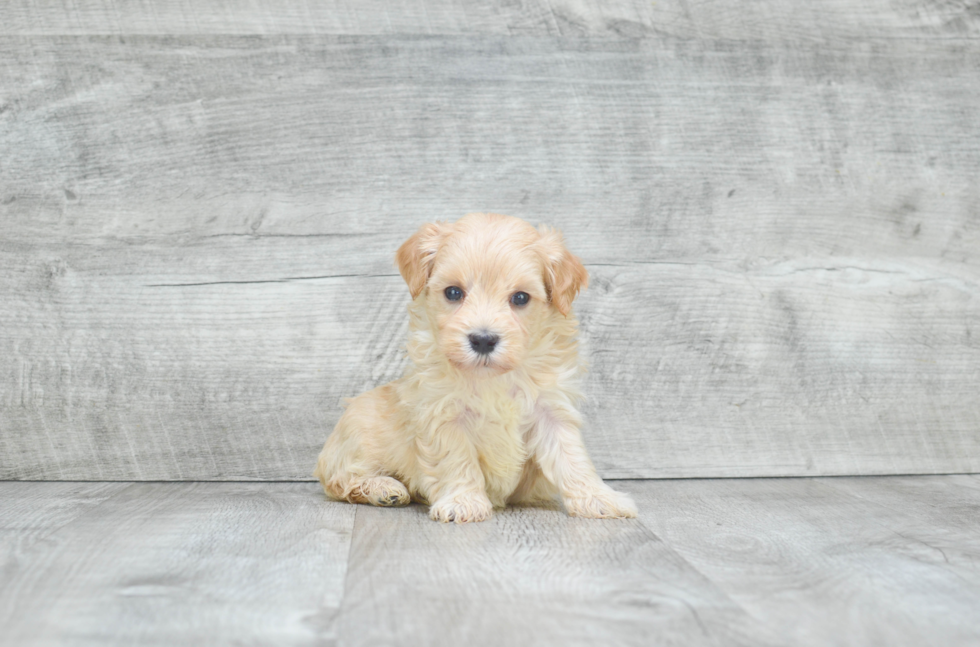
[816, 561]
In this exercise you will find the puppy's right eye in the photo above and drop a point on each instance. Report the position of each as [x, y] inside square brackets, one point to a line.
[453, 293]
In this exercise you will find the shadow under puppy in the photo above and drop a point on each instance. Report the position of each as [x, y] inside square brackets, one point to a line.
[486, 413]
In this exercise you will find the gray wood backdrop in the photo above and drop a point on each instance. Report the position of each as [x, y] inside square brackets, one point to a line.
[777, 202]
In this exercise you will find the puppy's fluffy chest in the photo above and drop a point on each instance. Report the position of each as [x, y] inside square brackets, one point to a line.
[494, 416]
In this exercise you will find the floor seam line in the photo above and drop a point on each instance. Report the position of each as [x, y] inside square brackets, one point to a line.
[343, 591]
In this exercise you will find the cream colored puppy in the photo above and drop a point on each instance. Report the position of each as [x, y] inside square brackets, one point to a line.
[486, 412]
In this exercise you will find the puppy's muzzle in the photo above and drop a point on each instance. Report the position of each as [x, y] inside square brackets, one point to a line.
[483, 343]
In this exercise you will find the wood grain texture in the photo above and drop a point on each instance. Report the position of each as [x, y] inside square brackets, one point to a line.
[642, 150]
[941, 512]
[782, 20]
[842, 561]
[167, 564]
[31, 512]
[196, 259]
[527, 577]
[849, 390]
[819, 565]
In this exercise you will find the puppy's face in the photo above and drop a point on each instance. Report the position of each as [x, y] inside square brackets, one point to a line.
[490, 283]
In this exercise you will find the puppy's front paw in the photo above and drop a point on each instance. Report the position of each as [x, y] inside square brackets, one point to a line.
[462, 507]
[604, 503]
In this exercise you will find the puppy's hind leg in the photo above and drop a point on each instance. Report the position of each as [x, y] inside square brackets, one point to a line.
[373, 489]
[383, 491]
[378, 490]
[355, 464]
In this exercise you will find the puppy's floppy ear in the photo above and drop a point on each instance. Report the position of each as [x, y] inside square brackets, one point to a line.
[564, 274]
[417, 255]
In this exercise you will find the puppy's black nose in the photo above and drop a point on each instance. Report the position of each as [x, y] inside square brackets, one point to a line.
[484, 343]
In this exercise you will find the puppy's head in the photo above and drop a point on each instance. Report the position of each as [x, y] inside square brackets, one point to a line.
[489, 284]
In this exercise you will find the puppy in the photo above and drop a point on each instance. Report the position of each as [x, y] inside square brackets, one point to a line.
[486, 414]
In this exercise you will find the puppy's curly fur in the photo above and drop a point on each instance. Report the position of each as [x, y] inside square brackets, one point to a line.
[486, 413]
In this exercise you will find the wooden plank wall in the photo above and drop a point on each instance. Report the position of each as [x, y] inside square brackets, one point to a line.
[777, 203]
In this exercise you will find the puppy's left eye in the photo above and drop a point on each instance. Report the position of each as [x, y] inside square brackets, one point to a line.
[520, 298]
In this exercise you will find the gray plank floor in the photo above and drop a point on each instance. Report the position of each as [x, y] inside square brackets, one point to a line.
[817, 561]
